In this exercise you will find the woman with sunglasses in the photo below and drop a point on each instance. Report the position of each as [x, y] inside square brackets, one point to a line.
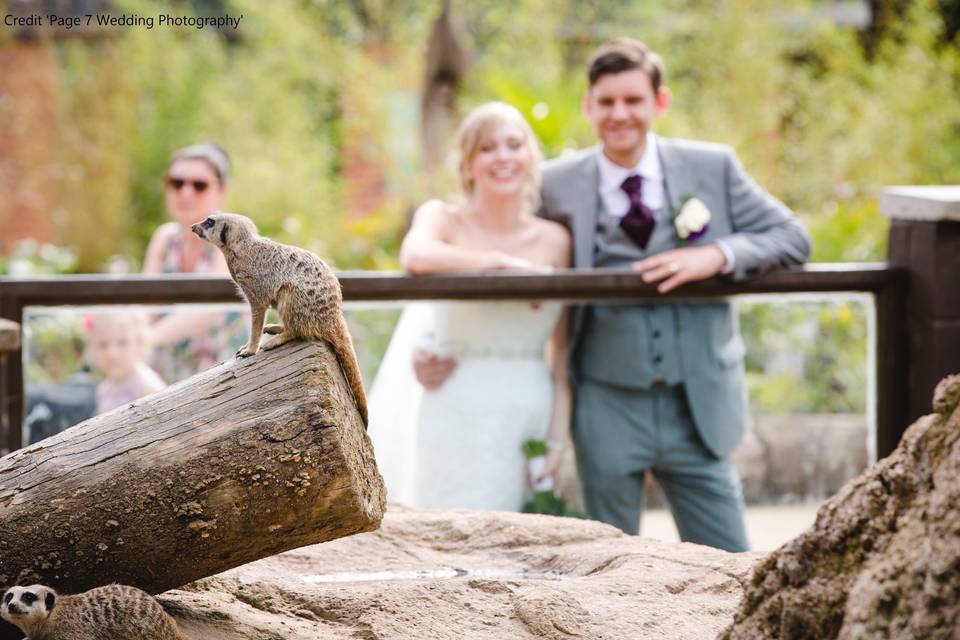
[195, 186]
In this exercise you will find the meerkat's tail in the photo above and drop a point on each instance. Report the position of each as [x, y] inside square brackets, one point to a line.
[342, 345]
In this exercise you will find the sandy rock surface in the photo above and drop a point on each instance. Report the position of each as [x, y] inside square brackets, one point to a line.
[471, 575]
[883, 558]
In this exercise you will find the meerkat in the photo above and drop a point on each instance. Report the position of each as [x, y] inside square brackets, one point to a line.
[296, 282]
[117, 612]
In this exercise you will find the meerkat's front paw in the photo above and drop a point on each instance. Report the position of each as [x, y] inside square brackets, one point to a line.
[246, 352]
[273, 329]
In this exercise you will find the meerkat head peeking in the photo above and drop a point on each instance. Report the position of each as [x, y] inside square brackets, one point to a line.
[27, 607]
[226, 229]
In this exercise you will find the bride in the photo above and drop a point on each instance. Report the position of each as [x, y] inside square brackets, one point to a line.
[492, 375]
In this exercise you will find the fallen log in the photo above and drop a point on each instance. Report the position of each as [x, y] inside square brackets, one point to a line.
[240, 462]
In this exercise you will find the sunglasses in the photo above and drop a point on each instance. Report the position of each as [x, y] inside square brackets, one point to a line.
[179, 183]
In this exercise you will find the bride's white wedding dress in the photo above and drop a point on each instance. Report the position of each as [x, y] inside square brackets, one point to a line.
[460, 445]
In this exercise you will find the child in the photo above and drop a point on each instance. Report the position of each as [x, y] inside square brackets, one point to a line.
[117, 343]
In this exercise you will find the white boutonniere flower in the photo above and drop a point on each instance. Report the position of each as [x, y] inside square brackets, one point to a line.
[692, 220]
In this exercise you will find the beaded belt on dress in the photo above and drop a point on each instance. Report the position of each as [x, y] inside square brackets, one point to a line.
[505, 351]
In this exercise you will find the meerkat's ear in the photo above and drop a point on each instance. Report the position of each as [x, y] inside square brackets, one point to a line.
[223, 233]
[49, 600]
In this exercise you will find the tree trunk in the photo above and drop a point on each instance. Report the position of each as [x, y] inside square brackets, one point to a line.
[446, 64]
[243, 461]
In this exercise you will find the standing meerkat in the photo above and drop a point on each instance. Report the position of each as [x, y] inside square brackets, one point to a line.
[295, 282]
[117, 612]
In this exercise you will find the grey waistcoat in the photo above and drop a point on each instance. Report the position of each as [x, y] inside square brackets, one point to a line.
[650, 331]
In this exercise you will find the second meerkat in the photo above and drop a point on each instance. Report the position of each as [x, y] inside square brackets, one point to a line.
[296, 282]
[112, 612]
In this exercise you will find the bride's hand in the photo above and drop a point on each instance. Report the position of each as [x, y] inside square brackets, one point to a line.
[431, 369]
[552, 468]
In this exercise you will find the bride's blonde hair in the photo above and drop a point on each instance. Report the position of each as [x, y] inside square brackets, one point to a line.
[478, 126]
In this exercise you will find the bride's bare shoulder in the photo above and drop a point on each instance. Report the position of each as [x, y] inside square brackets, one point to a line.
[436, 213]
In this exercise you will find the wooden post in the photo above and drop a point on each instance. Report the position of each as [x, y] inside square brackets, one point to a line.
[243, 461]
[925, 239]
[9, 351]
[9, 335]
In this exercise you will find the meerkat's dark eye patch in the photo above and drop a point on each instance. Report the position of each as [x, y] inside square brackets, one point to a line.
[29, 598]
[209, 222]
[223, 233]
[49, 600]
[7, 598]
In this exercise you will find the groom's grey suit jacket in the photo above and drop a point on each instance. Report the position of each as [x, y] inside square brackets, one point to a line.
[759, 230]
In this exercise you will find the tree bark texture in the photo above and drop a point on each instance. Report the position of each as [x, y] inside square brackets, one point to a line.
[243, 461]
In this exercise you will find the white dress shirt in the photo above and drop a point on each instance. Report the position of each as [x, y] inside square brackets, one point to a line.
[612, 175]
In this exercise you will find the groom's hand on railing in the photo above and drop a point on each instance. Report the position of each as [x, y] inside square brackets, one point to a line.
[432, 369]
[679, 266]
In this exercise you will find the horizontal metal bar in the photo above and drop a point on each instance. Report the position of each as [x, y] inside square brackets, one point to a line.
[572, 284]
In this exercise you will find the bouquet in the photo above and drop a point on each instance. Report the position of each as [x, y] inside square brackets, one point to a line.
[545, 499]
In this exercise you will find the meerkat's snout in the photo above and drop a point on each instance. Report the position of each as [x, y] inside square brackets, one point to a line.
[10, 607]
[200, 228]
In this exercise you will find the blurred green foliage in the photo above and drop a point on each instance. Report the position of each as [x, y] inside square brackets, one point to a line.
[54, 344]
[30, 258]
[814, 359]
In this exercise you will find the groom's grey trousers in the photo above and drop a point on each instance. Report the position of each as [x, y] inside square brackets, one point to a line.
[653, 430]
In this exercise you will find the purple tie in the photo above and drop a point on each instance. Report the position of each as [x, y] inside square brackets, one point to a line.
[638, 221]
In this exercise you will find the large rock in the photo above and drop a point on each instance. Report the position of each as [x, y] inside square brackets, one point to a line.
[883, 558]
[477, 575]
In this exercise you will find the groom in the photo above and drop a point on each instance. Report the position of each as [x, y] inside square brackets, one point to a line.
[660, 387]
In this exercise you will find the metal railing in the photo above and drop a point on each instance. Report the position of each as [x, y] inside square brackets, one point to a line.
[887, 285]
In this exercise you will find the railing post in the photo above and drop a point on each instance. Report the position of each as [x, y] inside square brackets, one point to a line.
[891, 362]
[11, 399]
[925, 240]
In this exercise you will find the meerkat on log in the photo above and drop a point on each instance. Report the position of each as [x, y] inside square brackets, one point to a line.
[296, 282]
[117, 612]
